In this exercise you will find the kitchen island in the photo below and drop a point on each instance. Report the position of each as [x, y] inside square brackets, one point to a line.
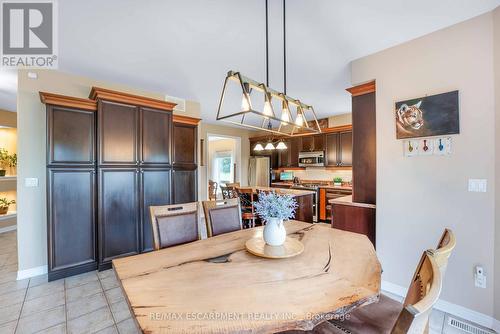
[304, 198]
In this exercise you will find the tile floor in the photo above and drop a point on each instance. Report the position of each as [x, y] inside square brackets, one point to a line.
[88, 303]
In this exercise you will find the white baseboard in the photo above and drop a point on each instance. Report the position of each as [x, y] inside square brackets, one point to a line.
[32, 272]
[453, 309]
[8, 228]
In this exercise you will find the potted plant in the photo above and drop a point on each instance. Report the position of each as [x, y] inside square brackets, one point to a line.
[6, 160]
[273, 209]
[337, 182]
[4, 205]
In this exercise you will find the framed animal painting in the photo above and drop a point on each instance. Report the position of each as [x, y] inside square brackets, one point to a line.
[428, 116]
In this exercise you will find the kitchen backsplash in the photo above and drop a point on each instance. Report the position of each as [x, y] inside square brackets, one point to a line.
[322, 174]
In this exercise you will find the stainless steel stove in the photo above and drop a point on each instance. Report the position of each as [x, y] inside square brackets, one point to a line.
[313, 187]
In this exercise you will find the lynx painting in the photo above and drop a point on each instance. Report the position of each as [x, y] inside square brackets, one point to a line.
[434, 115]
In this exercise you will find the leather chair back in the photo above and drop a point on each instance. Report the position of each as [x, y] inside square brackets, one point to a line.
[222, 216]
[174, 224]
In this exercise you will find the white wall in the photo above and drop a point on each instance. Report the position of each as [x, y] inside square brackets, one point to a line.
[496, 38]
[418, 197]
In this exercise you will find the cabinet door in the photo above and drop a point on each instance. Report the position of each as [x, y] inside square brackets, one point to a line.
[284, 156]
[184, 188]
[319, 143]
[345, 148]
[156, 130]
[307, 143]
[293, 151]
[332, 140]
[118, 213]
[118, 133]
[71, 221]
[184, 137]
[155, 191]
[71, 138]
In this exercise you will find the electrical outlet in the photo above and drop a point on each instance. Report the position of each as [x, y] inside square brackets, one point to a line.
[31, 182]
[479, 277]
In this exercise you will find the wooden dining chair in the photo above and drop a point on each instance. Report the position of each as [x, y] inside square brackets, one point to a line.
[174, 224]
[233, 185]
[222, 216]
[228, 192]
[212, 190]
[247, 208]
[391, 317]
[444, 249]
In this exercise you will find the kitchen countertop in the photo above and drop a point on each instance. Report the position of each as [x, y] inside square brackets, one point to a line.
[347, 200]
[325, 186]
[284, 191]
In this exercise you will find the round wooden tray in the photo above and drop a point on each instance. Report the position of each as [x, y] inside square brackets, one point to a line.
[291, 247]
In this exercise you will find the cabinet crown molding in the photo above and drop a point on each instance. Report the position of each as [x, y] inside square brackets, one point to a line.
[68, 101]
[362, 89]
[116, 96]
[186, 119]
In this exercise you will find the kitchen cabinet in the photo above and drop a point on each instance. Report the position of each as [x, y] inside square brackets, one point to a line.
[312, 143]
[118, 133]
[109, 158]
[339, 149]
[355, 219]
[326, 194]
[294, 150]
[119, 220]
[71, 221]
[155, 191]
[183, 186]
[156, 133]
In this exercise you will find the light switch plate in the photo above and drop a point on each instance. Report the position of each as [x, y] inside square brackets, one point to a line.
[31, 182]
[477, 185]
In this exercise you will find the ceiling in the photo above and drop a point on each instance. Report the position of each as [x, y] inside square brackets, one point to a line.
[185, 48]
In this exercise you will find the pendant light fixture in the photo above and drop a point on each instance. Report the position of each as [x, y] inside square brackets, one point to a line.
[304, 121]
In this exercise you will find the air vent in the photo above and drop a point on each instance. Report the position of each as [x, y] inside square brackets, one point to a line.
[457, 325]
[181, 103]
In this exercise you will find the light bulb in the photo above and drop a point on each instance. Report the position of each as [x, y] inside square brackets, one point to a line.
[281, 146]
[268, 110]
[245, 103]
[285, 113]
[269, 146]
[299, 120]
[258, 147]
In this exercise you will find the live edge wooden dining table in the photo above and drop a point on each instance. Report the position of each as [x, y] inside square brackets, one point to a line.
[216, 286]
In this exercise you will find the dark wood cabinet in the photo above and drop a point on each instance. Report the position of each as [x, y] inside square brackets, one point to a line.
[119, 228]
[99, 210]
[364, 148]
[307, 143]
[294, 150]
[345, 149]
[184, 186]
[319, 142]
[156, 128]
[71, 136]
[355, 219]
[284, 157]
[155, 191]
[332, 147]
[184, 137]
[339, 149]
[71, 221]
[118, 131]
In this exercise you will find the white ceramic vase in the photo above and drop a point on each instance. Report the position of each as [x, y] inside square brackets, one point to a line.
[274, 232]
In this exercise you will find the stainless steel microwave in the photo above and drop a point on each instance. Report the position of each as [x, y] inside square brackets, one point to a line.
[312, 159]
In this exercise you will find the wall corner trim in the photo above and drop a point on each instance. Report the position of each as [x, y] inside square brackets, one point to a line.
[453, 309]
[32, 272]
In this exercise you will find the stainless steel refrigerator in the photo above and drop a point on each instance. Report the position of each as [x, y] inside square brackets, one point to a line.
[259, 171]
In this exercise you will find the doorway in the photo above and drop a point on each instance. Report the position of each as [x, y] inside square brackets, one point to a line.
[224, 160]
